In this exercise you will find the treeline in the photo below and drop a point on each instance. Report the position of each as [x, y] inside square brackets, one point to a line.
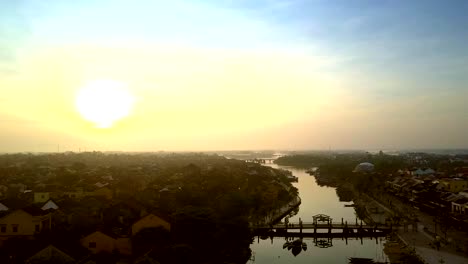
[339, 163]
[336, 169]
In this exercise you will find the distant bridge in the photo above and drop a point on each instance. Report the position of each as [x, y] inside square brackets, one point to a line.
[261, 160]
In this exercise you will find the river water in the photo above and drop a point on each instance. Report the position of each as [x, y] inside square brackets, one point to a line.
[317, 200]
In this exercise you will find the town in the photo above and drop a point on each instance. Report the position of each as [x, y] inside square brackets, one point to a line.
[423, 195]
[133, 208]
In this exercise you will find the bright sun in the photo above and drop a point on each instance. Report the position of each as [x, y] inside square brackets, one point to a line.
[104, 102]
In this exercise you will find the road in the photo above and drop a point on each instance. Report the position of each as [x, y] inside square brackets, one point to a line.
[419, 239]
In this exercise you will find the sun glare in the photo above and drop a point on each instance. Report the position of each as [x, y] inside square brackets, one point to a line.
[104, 102]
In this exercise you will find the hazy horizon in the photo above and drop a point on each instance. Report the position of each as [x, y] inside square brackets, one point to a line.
[202, 75]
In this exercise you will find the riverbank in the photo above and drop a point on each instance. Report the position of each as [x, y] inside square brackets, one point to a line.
[415, 239]
[278, 214]
[316, 199]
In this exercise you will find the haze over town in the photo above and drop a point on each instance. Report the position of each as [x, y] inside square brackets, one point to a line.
[213, 75]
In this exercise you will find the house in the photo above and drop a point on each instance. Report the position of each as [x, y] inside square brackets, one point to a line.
[460, 205]
[98, 241]
[50, 254]
[76, 193]
[24, 222]
[41, 197]
[104, 192]
[454, 185]
[149, 221]
[49, 205]
[395, 185]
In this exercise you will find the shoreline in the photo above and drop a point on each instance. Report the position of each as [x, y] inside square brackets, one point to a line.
[279, 213]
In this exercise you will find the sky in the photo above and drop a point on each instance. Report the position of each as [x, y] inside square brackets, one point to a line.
[220, 74]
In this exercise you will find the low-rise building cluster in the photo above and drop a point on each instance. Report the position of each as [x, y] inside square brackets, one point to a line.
[438, 192]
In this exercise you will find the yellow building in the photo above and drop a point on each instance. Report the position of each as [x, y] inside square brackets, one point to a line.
[99, 242]
[41, 197]
[149, 221]
[24, 222]
[454, 185]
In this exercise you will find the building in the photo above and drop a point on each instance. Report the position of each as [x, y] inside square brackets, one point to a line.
[460, 205]
[98, 241]
[149, 221]
[454, 185]
[50, 254]
[41, 197]
[24, 222]
[76, 193]
[49, 205]
[103, 191]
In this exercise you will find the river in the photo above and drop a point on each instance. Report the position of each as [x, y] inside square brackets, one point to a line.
[317, 200]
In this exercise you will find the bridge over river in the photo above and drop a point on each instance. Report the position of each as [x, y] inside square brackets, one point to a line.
[323, 222]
